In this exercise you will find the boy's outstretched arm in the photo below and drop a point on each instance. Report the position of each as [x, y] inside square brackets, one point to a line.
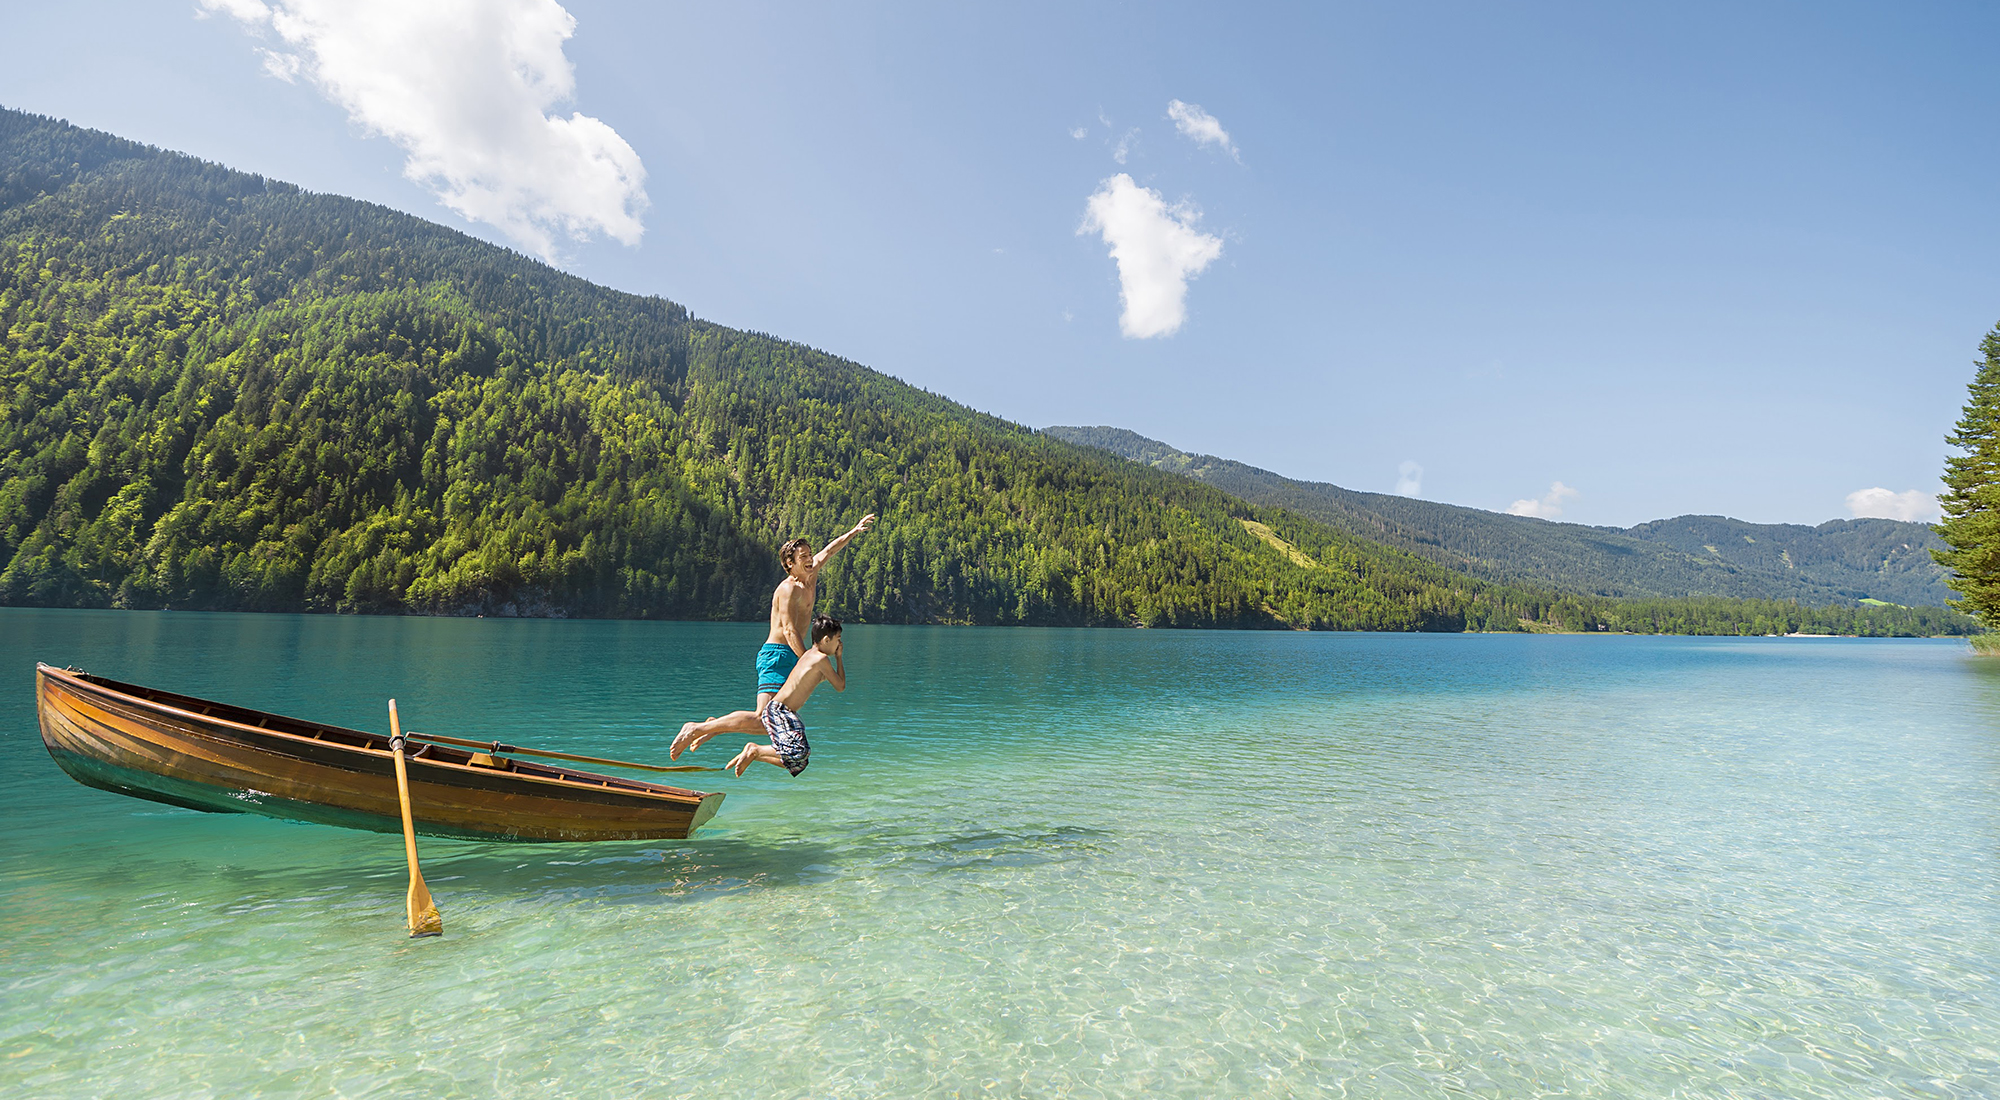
[833, 547]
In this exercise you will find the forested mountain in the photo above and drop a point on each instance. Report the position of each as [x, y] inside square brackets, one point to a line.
[224, 392]
[1881, 559]
[1840, 561]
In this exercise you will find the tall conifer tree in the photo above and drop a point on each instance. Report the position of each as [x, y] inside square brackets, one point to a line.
[1971, 525]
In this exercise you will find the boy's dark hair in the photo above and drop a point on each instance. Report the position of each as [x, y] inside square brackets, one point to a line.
[791, 550]
[824, 625]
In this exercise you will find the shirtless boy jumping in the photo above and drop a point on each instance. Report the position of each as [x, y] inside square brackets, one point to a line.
[820, 665]
[791, 618]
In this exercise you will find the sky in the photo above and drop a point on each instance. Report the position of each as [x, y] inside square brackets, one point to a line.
[1607, 263]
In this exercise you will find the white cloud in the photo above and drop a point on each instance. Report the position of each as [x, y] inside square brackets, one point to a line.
[465, 88]
[1409, 479]
[250, 11]
[1913, 505]
[1158, 250]
[1123, 149]
[1549, 506]
[1204, 128]
[1079, 132]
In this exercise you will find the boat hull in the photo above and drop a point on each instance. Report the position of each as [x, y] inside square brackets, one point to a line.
[219, 758]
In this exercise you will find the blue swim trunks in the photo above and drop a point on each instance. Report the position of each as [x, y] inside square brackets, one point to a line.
[774, 664]
[788, 736]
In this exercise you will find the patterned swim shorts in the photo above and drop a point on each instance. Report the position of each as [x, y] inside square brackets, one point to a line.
[788, 736]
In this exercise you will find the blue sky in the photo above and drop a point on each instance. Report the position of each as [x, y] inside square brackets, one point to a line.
[1728, 258]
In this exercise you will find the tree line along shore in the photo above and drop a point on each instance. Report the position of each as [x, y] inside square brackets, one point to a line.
[227, 393]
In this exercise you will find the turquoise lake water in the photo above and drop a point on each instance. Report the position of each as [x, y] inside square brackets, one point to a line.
[1048, 863]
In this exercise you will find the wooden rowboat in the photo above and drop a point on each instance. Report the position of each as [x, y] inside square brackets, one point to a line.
[228, 759]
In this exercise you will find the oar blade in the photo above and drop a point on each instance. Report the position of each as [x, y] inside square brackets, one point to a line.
[424, 918]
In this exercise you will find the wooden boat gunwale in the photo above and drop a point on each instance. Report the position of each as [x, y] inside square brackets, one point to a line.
[219, 756]
[431, 754]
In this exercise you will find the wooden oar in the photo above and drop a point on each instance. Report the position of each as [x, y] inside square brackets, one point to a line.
[424, 919]
[496, 748]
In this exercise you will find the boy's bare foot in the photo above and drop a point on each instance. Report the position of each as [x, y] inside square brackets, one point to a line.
[681, 740]
[743, 760]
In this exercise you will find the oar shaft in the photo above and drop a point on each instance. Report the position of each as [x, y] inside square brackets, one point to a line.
[423, 914]
[403, 796]
[516, 750]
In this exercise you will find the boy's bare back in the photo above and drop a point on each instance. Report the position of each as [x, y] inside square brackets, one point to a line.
[815, 668]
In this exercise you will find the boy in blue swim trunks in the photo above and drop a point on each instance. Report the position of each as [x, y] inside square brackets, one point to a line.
[791, 620]
[821, 665]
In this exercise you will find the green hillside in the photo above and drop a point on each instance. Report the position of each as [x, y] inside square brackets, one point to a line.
[1881, 559]
[1838, 562]
[224, 392]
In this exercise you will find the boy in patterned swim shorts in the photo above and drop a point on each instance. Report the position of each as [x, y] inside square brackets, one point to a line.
[821, 665]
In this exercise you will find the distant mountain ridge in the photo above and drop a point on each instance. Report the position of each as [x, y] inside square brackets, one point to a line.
[1837, 561]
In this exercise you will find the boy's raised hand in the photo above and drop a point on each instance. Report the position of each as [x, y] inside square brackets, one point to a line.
[846, 537]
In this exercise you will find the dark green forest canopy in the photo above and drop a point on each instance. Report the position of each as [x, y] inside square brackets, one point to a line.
[223, 392]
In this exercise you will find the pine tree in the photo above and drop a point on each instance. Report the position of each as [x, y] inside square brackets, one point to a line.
[1971, 527]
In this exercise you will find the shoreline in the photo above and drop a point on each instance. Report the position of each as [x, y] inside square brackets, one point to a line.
[1530, 627]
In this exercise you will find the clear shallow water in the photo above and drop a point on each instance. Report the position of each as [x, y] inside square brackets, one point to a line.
[1040, 862]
